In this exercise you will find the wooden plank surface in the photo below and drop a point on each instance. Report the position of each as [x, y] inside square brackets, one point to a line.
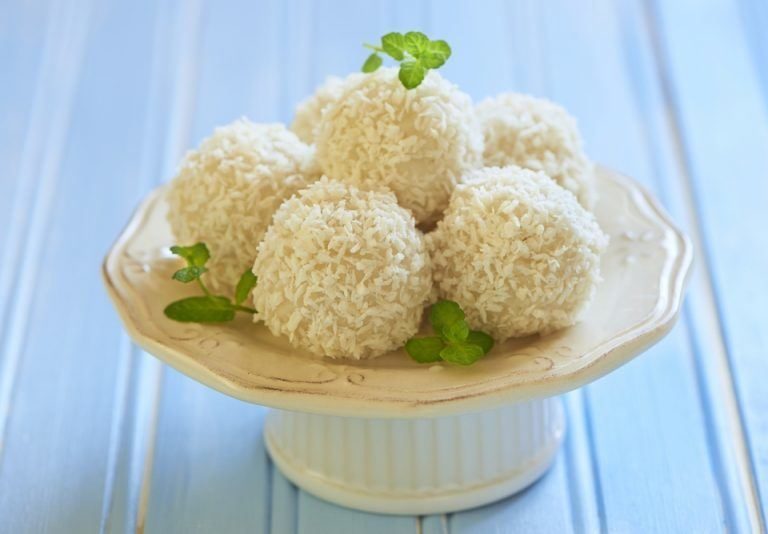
[104, 98]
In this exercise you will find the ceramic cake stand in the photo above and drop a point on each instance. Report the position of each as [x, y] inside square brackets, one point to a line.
[392, 436]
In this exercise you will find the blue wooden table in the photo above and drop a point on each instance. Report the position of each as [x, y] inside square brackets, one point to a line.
[98, 99]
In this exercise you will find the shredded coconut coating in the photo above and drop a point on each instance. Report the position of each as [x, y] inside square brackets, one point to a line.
[306, 120]
[537, 134]
[517, 252]
[418, 143]
[342, 273]
[226, 191]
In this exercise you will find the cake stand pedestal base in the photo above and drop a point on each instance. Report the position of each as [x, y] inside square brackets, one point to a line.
[417, 466]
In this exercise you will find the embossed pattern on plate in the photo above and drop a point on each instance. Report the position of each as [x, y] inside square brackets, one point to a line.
[644, 271]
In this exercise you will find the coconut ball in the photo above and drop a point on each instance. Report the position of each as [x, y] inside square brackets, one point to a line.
[517, 252]
[418, 143]
[226, 191]
[539, 135]
[342, 272]
[307, 117]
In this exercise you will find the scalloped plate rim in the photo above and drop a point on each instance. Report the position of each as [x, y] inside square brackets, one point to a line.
[617, 351]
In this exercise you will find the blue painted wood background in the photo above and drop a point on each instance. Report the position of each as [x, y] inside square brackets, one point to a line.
[98, 99]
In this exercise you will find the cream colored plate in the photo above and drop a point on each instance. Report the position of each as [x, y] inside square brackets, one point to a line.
[645, 269]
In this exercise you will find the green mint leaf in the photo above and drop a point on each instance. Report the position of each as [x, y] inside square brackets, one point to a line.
[431, 61]
[439, 47]
[462, 353]
[425, 349]
[415, 43]
[244, 286]
[189, 274]
[444, 313]
[196, 255]
[456, 332]
[394, 45]
[435, 55]
[372, 63]
[201, 310]
[481, 339]
[411, 74]
[415, 52]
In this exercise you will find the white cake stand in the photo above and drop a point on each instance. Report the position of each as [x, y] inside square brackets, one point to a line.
[392, 436]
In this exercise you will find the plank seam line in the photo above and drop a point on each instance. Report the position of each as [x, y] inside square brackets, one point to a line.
[753, 19]
[579, 453]
[148, 170]
[177, 136]
[149, 458]
[56, 119]
[726, 488]
[728, 392]
[270, 483]
[31, 155]
[579, 471]
[26, 175]
[594, 464]
[120, 403]
[660, 168]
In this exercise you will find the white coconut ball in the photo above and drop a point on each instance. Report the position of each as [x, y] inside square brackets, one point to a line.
[226, 191]
[342, 273]
[417, 143]
[306, 120]
[539, 135]
[517, 252]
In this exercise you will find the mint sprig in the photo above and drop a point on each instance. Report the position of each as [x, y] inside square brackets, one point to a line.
[416, 53]
[454, 343]
[207, 308]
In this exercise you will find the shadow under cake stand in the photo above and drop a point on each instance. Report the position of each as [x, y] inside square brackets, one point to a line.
[392, 436]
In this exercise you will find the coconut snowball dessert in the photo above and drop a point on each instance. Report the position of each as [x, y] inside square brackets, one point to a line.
[415, 142]
[307, 118]
[339, 265]
[536, 134]
[517, 252]
[226, 191]
[342, 272]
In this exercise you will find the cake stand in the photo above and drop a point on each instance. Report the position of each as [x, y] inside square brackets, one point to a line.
[392, 436]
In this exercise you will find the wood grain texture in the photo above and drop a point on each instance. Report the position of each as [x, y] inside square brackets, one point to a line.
[592, 75]
[728, 140]
[57, 397]
[105, 96]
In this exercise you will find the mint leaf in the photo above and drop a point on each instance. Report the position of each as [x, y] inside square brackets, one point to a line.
[431, 61]
[444, 313]
[439, 47]
[456, 342]
[393, 45]
[415, 42]
[425, 349]
[372, 63]
[462, 353]
[435, 55]
[411, 74]
[456, 332]
[203, 309]
[196, 255]
[189, 274]
[415, 52]
[483, 340]
[244, 286]
[206, 308]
